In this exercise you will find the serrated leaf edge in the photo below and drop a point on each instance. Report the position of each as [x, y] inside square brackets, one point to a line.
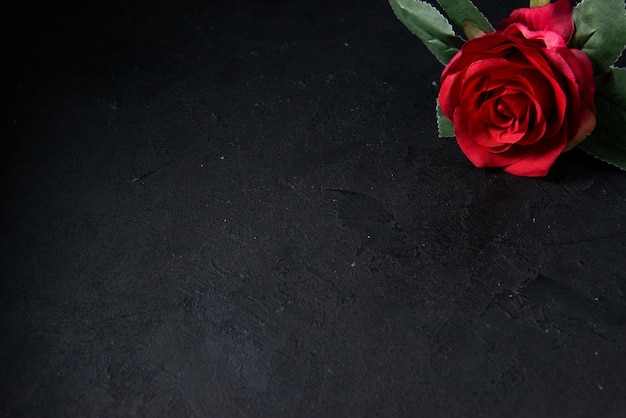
[580, 4]
[440, 122]
[487, 28]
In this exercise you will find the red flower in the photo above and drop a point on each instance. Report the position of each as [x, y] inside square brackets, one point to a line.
[518, 97]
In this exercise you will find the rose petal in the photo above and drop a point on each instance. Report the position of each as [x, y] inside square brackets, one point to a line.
[555, 17]
[466, 135]
[540, 38]
[494, 116]
[537, 160]
[514, 103]
[519, 97]
[449, 95]
[532, 161]
[534, 125]
[538, 88]
[586, 125]
[575, 65]
[585, 114]
[557, 81]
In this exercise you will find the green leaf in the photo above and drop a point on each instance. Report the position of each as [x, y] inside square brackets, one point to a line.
[608, 141]
[445, 126]
[433, 29]
[461, 11]
[600, 31]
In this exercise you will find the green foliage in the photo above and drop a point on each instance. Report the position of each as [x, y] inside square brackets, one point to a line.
[461, 11]
[600, 31]
[608, 140]
[445, 126]
[433, 29]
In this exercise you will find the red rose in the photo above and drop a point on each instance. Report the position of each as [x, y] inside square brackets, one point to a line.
[518, 97]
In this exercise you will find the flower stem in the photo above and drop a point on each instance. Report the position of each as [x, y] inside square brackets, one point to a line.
[539, 3]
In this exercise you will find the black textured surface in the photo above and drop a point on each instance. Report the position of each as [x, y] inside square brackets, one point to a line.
[243, 209]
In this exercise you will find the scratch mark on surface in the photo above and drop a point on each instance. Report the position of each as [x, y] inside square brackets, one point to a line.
[149, 173]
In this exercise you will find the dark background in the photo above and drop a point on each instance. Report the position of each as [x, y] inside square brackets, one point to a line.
[242, 208]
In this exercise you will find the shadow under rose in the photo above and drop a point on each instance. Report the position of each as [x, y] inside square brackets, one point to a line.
[575, 166]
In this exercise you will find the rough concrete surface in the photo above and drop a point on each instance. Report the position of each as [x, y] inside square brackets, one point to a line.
[242, 208]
